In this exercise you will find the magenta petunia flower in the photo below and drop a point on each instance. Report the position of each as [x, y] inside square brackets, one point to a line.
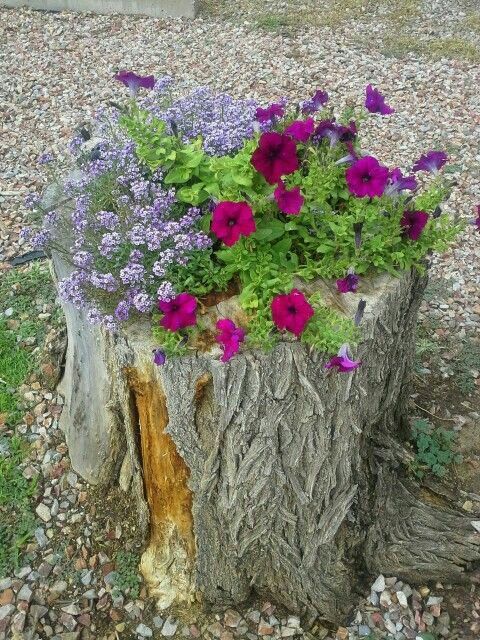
[274, 110]
[300, 130]
[432, 161]
[348, 284]
[397, 182]
[275, 156]
[413, 223]
[319, 99]
[231, 220]
[178, 313]
[135, 82]
[375, 102]
[159, 357]
[290, 201]
[230, 337]
[342, 361]
[367, 177]
[291, 312]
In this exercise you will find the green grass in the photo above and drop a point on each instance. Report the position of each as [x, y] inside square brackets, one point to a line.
[25, 291]
[17, 519]
[456, 48]
[467, 361]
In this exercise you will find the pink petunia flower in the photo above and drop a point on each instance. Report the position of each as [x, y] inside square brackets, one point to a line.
[348, 284]
[289, 201]
[273, 111]
[291, 312]
[159, 357]
[367, 177]
[300, 130]
[342, 361]
[134, 82]
[275, 156]
[178, 313]
[230, 337]
[231, 220]
[413, 223]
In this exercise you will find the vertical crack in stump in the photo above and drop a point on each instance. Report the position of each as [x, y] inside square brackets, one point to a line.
[167, 564]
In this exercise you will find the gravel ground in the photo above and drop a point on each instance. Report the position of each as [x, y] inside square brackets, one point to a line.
[55, 70]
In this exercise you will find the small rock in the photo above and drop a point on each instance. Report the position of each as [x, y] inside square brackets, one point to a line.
[7, 597]
[68, 621]
[434, 600]
[6, 610]
[379, 584]
[232, 618]
[402, 599]
[43, 512]
[38, 611]
[364, 631]
[170, 627]
[144, 631]
[265, 629]
[157, 622]
[25, 593]
[40, 537]
[342, 633]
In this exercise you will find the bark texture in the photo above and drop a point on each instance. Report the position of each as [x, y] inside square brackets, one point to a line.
[268, 472]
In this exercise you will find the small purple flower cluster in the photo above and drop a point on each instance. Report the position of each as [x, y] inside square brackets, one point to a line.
[222, 122]
[122, 253]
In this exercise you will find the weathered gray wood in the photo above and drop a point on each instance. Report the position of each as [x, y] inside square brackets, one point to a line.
[268, 472]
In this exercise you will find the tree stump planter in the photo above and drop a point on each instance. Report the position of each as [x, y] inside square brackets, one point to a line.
[267, 473]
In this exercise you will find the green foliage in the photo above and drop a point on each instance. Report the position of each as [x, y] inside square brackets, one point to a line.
[467, 361]
[17, 521]
[127, 579]
[434, 448]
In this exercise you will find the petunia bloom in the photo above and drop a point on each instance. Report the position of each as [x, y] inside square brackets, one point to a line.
[275, 156]
[159, 357]
[135, 82]
[274, 110]
[231, 220]
[367, 177]
[348, 284]
[432, 161]
[178, 313]
[300, 130]
[375, 101]
[476, 222]
[319, 99]
[290, 201]
[397, 182]
[291, 311]
[342, 361]
[335, 132]
[230, 337]
[413, 223]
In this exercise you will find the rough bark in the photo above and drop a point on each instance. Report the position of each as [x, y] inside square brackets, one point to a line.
[267, 473]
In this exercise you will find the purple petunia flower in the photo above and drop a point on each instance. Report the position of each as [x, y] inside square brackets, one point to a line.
[367, 177]
[179, 313]
[272, 112]
[289, 201]
[348, 284]
[335, 132]
[159, 357]
[413, 223]
[432, 161]
[291, 312]
[134, 82]
[342, 361]
[318, 100]
[375, 102]
[476, 222]
[397, 182]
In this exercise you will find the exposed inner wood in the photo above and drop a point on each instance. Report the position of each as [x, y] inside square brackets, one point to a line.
[166, 487]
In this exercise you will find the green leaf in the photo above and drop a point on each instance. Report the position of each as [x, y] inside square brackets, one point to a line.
[178, 175]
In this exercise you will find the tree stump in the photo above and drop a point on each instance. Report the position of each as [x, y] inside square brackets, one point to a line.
[267, 473]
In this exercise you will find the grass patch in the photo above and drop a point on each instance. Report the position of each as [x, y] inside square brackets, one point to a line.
[329, 15]
[436, 48]
[403, 12]
[467, 361]
[127, 579]
[24, 291]
[472, 22]
[17, 521]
